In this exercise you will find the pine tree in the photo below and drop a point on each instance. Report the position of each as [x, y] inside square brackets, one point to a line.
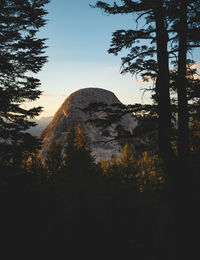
[142, 58]
[113, 168]
[69, 151]
[53, 160]
[103, 164]
[81, 139]
[83, 151]
[127, 156]
[77, 154]
[186, 24]
[79, 172]
[21, 57]
[169, 28]
[127, 160]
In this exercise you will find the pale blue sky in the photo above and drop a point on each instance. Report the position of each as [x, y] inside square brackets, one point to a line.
[78, 39]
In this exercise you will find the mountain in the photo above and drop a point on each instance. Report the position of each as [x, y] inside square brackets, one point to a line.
[41, 124]
[72, 111]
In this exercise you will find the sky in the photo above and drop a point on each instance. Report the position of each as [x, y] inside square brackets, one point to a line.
[78, 39]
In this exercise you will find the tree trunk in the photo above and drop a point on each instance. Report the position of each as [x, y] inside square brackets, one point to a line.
[183, 190]
[183, 120]
[162, 85]
[166, 248]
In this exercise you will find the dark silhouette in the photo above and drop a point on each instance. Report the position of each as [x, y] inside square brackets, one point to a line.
[169, 29]
[21, 52]
[125, 207]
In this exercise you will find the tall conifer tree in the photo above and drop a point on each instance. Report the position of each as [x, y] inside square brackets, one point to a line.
[165, 29]
[21, 57]
[53, 160]
[77, 154]
[170, 28]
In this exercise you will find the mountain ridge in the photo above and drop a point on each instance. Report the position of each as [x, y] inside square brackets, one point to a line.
[72, 111]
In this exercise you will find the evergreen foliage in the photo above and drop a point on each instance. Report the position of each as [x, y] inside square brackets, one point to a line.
[69, 150]
[165, 30]
[77, 154]
[127, 156]
[53, 160]
[171, 29]
[121, 207]
[22, 56]
[143, 172]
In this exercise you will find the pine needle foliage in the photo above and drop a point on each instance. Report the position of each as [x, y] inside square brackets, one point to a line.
[21, 57]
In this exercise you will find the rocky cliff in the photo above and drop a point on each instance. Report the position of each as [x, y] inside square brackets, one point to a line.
[72, 111]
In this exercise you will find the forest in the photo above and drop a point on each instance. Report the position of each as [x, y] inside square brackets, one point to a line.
[142, 205]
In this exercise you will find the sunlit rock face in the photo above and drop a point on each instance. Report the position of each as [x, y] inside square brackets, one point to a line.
[71, 112]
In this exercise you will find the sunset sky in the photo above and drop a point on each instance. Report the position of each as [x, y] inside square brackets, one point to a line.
[78, 39]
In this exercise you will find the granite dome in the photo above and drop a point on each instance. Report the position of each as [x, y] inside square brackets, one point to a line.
[71, 112]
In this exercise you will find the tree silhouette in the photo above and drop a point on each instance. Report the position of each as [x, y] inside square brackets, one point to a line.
[127, 160]
[21, 56]
[77, 153]
[69, 150]
[141, 58]
[168, 29]
[127, 156]
[53, 159]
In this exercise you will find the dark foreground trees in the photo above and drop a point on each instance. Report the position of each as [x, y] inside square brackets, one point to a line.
[21, 57]
[102, 213]
[166, 30]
